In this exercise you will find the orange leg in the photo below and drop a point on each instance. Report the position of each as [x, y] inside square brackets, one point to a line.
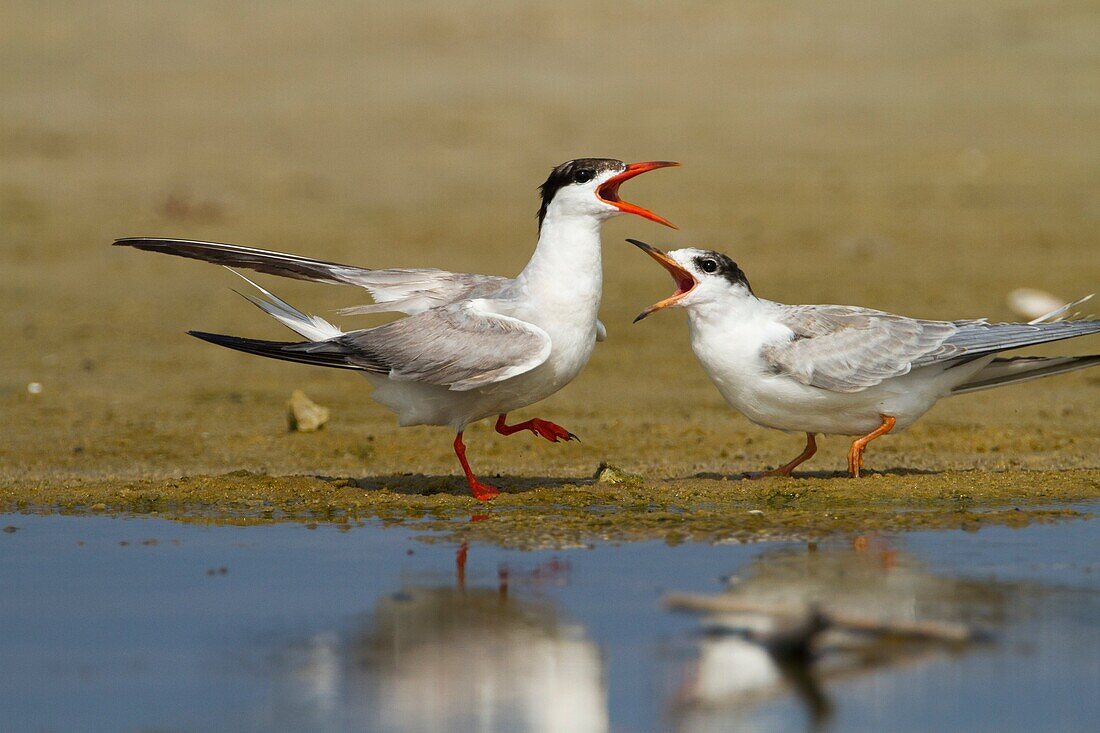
[855, 453]
[481, 492]
[541, 428]
[785, 469]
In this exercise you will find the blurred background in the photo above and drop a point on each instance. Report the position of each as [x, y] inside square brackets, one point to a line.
[925, 158]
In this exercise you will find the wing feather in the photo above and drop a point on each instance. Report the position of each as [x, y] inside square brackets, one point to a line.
[848, 349]
[462, 346]
[975, 338]
[845, 349]
[397, 290]
[417, 290]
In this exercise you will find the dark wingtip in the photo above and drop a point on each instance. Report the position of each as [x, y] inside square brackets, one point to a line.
[205, 336]
[138, 242]
[218, 338]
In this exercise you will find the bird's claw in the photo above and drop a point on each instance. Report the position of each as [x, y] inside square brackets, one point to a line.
[483, 492]
[551, 431]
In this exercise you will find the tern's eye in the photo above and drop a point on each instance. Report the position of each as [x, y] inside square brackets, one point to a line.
[709, 266]
[584, 175]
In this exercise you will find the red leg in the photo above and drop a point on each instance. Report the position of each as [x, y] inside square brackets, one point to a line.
[460, 565]
[541, 428]
[481, 492]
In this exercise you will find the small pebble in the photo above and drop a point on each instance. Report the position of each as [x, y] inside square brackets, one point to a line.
[303, 414]
[608, 474]
[34, 388]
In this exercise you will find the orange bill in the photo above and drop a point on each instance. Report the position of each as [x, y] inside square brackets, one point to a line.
[685, 281]
[608, 191]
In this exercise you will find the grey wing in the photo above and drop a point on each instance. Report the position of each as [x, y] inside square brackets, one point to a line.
[395, 290]
[848, 349]
[417, 290]
[973, 339]
[260, 260]
[460, 346]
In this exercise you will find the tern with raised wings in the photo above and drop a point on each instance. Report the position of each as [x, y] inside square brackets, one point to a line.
[472, 346]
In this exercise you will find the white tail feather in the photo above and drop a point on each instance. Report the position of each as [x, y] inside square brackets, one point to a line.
[1058, 313]
[313, 328]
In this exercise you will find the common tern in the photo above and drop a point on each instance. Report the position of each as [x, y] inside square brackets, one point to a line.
[472, 346]
[844, 370]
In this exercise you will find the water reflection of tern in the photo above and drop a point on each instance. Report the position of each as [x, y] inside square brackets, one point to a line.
[447, 659]
[799, 621]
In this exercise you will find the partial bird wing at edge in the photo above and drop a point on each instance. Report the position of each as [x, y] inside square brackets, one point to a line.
[848, 349]
[977, 338]
[395, 290]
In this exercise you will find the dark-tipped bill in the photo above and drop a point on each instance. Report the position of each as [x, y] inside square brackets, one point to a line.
[685, 281]
[608, 192]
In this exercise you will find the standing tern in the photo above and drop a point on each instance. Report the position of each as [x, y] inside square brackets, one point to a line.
[843, 370]
[472, 346]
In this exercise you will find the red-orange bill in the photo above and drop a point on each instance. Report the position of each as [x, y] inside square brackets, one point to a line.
[608, 191]
[685, 281]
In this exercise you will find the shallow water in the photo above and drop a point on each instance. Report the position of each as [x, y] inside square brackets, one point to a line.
[144, 624]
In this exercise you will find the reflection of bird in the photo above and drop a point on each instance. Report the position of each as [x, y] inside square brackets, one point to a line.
[797, 620]
[843, 369]
[748, 658]
[473, 346]
[437, 659]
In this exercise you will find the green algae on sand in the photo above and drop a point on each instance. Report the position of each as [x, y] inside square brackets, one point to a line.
[562, 512]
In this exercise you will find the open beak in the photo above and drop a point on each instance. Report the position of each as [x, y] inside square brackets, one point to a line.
[608, 191]
[685, 281]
